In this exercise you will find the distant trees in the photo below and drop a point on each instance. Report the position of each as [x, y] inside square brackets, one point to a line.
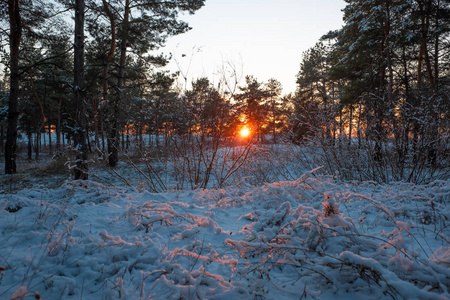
[274, 90]
[383, 78]
[374, 94]
[25, 25]
[315, 97]
[130, 28]
[139, 26]
[252, 105]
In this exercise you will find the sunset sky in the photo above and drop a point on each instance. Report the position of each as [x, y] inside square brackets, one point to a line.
[263, 38]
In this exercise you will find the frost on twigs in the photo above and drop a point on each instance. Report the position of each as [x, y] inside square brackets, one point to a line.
[330, 251]
[312, 238]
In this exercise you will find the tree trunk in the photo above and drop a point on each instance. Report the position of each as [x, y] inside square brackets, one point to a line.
[30, 146]
[423, 51]
[128, 138]
[58, 125]
[436, 48]
[387, 33]
[105, 105]
[274, 140]
[36, 145]
[15, 23]
[350, 126]
[102, 130]
[2, 136]
[96, 114]
[50, 146]
[81, 170]
[114, 149]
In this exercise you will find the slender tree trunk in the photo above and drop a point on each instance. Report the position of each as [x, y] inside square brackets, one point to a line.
[50, 137]
[122, 134]
[128, 138]
[58, 125]
[334, 116]
[80, 137]
[102, 130]
[274, 140]
[423, 51]
[36, 146]
[15, 24]
[96, 114]
[350, 126]
[2, 136]
[88, 140]
[30, 146]
[105, 105]
[387, 33]
[141, 135]
[358, 128]
[114, 148]
[436, 48]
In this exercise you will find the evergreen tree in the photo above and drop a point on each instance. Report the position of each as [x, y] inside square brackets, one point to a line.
[79, 89]
[252, 105]
[142, 26]
[15, 36]
[274, 89]
[384, 75]
[28, 20]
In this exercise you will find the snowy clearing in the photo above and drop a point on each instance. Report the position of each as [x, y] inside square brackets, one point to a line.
[312, 238]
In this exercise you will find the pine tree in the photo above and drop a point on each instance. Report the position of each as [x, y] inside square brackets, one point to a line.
[274, 89]
[252, 105]
[79, 89]
[145, 30]
[15, 36]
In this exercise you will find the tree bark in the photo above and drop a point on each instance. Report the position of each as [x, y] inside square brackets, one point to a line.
[113, 147]
[30, 146]
[58, 125]
[423, 50]
[15, 24]
[96, 114]
[1, 139]
[82, 168]
[436, 48]
[106, 64]
[50, 145]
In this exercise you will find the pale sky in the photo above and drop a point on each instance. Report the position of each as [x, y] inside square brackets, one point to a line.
[263, 38]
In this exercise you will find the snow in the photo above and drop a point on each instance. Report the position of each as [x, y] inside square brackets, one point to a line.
[310, 238]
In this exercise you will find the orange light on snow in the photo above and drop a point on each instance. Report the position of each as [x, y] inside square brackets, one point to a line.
[245, 132]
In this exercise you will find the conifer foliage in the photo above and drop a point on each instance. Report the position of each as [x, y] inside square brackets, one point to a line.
[380, 86]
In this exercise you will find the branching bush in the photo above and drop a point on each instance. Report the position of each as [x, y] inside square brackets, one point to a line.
[356, 161]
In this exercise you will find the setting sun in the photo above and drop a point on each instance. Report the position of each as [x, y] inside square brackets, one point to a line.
[245, 132]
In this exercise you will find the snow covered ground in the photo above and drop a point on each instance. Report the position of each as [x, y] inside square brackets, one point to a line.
[311, 238]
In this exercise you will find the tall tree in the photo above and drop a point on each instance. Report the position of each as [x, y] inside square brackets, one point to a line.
[79, 88]
[274, 89]
[107, 62]
[15, 35]
[385, 70]
[143, 25]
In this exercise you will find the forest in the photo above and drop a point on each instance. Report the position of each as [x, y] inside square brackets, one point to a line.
[373, 95]
[122, 180]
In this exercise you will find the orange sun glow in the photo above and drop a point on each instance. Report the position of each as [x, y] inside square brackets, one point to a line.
[245, 132]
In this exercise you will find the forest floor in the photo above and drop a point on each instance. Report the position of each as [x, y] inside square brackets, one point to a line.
[310, 238]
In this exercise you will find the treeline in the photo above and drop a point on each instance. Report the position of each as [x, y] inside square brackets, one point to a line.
[125, 90]
[76, 81]
[373, 96]
[376, 92]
